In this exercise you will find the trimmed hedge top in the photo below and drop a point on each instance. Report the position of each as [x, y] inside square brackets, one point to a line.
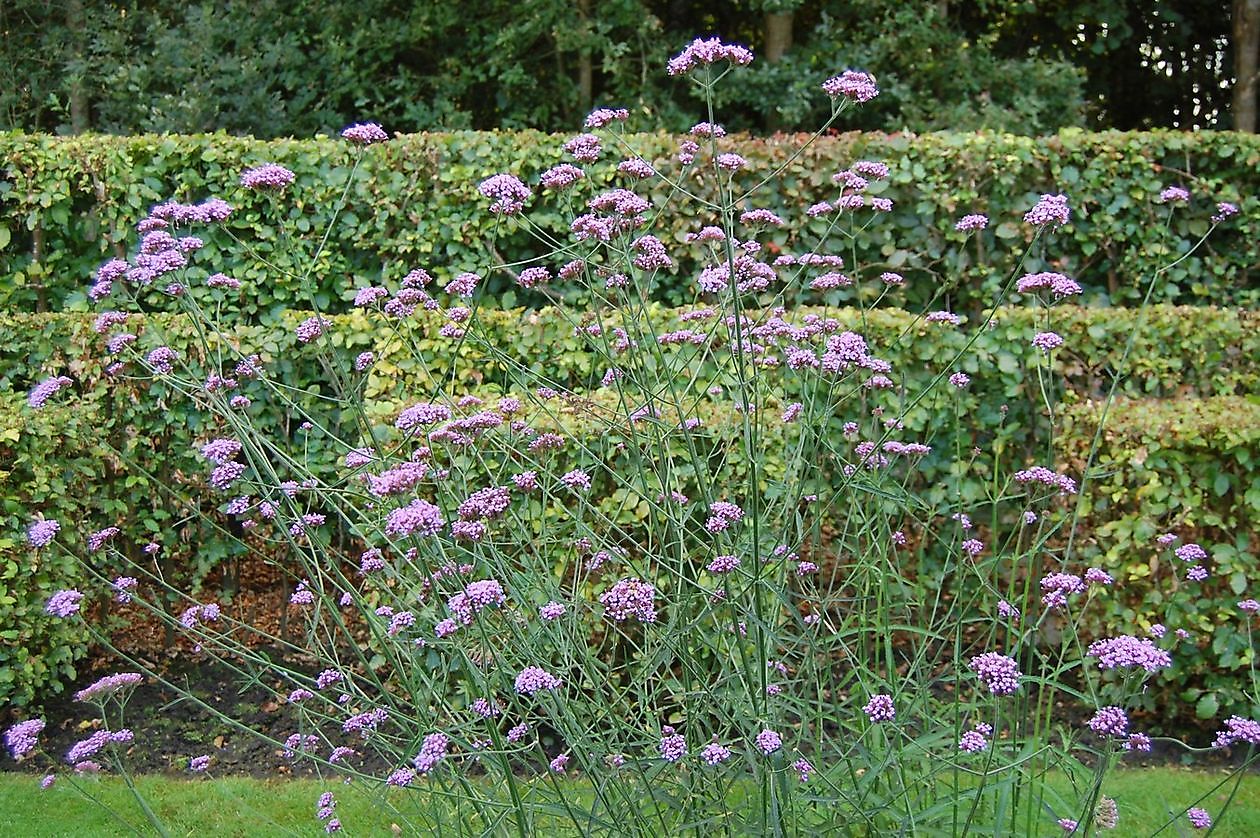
[68, 204]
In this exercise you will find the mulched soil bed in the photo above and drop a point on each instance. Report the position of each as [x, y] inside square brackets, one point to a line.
[169, 730]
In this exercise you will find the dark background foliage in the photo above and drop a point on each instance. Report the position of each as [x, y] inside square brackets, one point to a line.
[274, 68]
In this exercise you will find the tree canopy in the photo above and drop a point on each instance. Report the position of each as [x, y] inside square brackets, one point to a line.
[301, 67]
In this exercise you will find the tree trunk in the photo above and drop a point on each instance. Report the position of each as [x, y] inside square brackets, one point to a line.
[586, 69]
[1246, 55]
[778, 27]
[778, 32]
[80, 109]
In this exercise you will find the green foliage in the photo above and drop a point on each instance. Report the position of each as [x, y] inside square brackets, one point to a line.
[303, 67]
[124, 442]
[1186, 466]
[48, 463]
[66, 205]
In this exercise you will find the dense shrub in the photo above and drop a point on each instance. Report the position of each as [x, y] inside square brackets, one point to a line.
[142, 444]
[66, 204]
[49, 464]
[1188, 467]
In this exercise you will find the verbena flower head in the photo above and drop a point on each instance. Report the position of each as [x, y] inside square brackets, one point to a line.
[46, 389]
[1174, 195]
[1049, 211]
[199, 764]
[533, 679]
[880, 708]
[365, 133]
[601, 117]
[23, 738]
[108, 686]
[1237, 729]
[432, 751]
[41, 533]
[715, 753]
[1224, 210]
[63, 603]
[510, 194]
[1047, 341]
[853, 85]
[975, 221]
[769, 741]
[1000, 673]
[1199, 818]
[630, 598]
[268, 176]
[1110, 721]
[1127, 652]
[673, 746]
[703, 52]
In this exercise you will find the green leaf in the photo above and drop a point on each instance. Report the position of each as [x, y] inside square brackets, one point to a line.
[1208, 706]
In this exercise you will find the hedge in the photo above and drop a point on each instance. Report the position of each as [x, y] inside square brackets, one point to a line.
[69, 203]
[125, 441]
[1186, 466]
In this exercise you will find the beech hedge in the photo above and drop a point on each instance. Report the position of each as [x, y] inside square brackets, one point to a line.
[69, 203]
[87, 456]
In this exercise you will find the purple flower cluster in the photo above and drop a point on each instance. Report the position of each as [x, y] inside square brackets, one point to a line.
[1058, 284]
[1237, 729]
[41, 533]
[1047, 341]
[533, 679]
[109, 685]
[1199, 818]
[1041, 474]
[853, 85]
[1126, 652]
[432, 751]
[510, 194]
[23, 737]
[705, 52]
[976, 740]
[267, 176]
[585, 148]
[1049, 211]
[880, 708]
[561, 177]
[629, 598]
[722, 514]
[999, 672]
[769, 741]
[974, 221]
[602, 117]
[673, 745]
[715, 753]
[365, 133]
[1110, 721]
[311, 328]
[63, 603]
[1224, 210]
[1174, 195]
[46, 389]
[416, 518]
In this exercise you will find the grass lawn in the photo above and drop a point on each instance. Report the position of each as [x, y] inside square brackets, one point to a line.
[238, 806]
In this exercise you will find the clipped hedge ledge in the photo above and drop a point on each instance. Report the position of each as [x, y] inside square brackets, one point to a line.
[69, 203]
[86, 457]
[1189, 466]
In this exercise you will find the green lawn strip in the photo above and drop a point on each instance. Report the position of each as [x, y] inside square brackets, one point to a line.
[237, 806]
